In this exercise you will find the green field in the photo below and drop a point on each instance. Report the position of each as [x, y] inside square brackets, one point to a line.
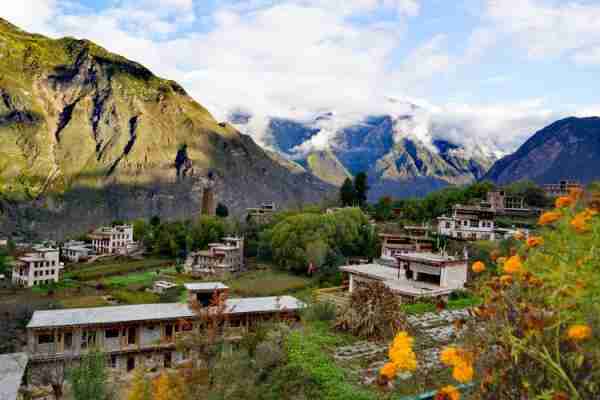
[107, 269]
[145, 278]
[267, 283]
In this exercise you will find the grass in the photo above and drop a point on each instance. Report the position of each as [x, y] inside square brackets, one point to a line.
[145, 278]
[83, 302]
[124, 296]
[453, 304]
[107, 269]
[267, 283]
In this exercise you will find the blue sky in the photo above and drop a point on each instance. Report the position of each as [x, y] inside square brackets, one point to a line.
[489, 69]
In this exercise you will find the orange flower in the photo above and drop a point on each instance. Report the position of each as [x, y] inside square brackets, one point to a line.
[579, 223]
[448, 393]
[549, 217]
[463, 372]
[563, 202]
[501, 260]
[388, 370]
[535, 241]
[401, 353]
[579, 332]
[590, 212]
[449, 356]
[513, 265]
[478, 267]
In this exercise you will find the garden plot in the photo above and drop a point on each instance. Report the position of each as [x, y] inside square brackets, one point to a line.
[433, 332]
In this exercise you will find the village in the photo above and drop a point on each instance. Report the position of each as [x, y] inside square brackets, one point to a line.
[108, 292]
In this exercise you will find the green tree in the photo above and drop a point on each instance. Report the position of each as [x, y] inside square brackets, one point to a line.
[88, 380]
[222, 210]
[347, 193]
[361, 188]
[140, 230]
[383, 209]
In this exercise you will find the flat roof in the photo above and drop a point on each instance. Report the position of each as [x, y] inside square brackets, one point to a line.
[430, 258]
[376, 271]
[205, 286]
[12, 368]
[153, 312]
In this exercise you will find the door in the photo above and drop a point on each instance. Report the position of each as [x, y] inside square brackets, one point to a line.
[169, 332]
[130, 363]
[131, 335]
[168, 360]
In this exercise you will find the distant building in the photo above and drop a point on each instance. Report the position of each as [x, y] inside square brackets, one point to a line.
[220, 258]
[162, 286]
[140, 335]
[394, 245]
[261, 214]
[76, 251]
[416, 275]
[208, 201]
[561, 188]
[499, 200]
[40, 266]
[113, 239]
[468, 223]
[3, 242]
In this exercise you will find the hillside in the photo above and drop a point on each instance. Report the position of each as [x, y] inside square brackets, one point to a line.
[87, 136]
[567, 149]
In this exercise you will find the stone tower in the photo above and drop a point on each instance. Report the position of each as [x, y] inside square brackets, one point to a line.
[208, 196]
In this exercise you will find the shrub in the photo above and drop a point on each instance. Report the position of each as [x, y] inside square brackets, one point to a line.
[324, 311]
[373, 312]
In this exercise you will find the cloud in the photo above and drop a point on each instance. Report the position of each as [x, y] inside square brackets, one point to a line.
[30, 15]
[548, 28]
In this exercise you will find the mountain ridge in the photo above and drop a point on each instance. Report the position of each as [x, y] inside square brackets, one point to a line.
[89, 135]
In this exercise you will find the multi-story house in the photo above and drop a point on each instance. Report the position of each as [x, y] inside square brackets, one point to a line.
[415, 275]
[76, 251]
[468, 223]
[112, 239]
[40, 266]
[220, 258]
[393, 245]
[261, 214]
[144, 334]
[561, 188]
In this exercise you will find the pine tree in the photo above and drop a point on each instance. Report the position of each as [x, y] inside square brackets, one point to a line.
[361, 188]
[222, 210]
[347, 193]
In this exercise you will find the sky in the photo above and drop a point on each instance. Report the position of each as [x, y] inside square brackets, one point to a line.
[494, 70]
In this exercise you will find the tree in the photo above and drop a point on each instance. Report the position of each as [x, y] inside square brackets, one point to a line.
[140, 388]
[347, 193]
[168, 387]
[140, 230]
[88, 380]
[222, 210]
[383, 209]
[361, 188]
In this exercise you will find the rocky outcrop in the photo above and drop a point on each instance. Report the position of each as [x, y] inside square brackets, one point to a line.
[87, 136]
[567, 149]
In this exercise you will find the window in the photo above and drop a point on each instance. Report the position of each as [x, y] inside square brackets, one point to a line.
[45, 339]
[113, 361]
[88, 339]
[112, 333]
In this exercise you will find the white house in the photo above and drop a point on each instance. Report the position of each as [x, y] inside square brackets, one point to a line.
[76, 251]
[113, 239]
[38, 267]
[468, 223]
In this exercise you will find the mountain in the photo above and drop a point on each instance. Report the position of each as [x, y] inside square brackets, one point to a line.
[400, 158]
[567, 149]
[87, 137]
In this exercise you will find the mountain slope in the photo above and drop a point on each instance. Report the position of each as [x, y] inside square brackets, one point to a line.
[398, 162]
[566, 149]
[88, 135]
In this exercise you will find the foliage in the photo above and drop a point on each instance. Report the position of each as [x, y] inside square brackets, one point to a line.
[533, 194]
[4, 261]
[542, 331]
[140, 388]
[222, 211]
[168, 386]
[373, 312]
[171, 295]
[306, 354]
[126, 296]
[88, 379]
[361, 188]
[300, 239]
[322, 311]
[440, 202]
[347, 194]
[383, 209]
[267, 283]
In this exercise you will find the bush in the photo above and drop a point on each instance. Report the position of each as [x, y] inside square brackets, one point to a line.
[320, 312]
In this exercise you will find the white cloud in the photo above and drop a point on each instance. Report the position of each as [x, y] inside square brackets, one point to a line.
[548, 28]
[30, 15]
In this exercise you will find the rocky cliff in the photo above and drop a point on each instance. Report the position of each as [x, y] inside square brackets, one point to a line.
[567, 149]
[87, 136]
